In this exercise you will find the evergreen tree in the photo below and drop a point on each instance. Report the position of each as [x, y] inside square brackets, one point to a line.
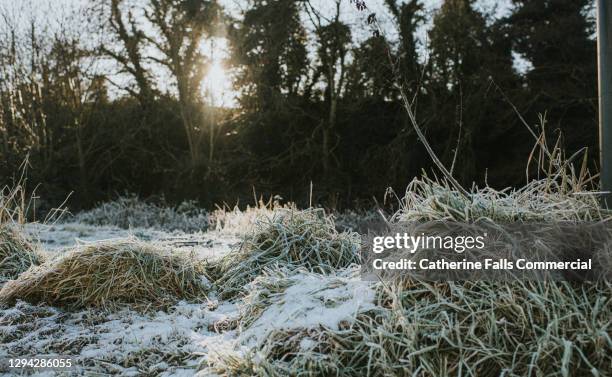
[269, 49]
[370, 75]
[555, 37]
[468, 58]
[409, 16]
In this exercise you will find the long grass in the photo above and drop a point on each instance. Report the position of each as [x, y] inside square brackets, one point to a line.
[541, 200]
[451, 329]
[17, 254]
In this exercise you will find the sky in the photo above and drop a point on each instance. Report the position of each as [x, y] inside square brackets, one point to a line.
[49, 10]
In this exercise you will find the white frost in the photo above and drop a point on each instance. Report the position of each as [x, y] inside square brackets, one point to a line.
[314, 300]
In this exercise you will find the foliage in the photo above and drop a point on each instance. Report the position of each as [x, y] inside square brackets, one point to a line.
[562, 51]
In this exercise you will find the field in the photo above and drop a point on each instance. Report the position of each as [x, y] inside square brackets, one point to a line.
[134, 289]
[175, 340]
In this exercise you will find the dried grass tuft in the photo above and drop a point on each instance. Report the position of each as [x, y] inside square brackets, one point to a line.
[16, 253]
[110, 273]
[540, 200]
[233, 220]
[289, 239]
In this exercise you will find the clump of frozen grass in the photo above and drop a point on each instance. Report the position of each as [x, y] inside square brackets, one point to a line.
[109, 273]
[16, 253]
[540, 200]
[518, 328]
[454, 328]
[290, 239]
[241, 222]
[132, 212]
[562, 191]
[297, 301]
[319, 351]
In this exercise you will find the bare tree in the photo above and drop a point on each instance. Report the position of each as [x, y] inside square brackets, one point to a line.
[182, 26]
[126, 48]
[166, 34]
[22, 117]
[46, 93]
[334, 38]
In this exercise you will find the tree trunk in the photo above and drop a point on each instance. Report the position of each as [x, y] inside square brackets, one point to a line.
[83, 182]
[211, 140]
[331, 122]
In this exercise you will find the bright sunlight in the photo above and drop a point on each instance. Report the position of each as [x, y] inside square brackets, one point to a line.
[217, 86]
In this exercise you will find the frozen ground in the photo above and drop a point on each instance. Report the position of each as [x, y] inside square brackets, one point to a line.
[173, 343]
[62, 236]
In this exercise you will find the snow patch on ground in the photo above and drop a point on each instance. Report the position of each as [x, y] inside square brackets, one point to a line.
[124, 342]
[313, 300]
[310, 301]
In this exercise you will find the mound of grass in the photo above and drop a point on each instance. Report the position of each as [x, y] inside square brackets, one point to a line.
[264, 291]
[468, 329]
[540, 200]
[241, 222]
[133, 212]
[16, 253]
[109, 273]
[564, 190]
[288, 239]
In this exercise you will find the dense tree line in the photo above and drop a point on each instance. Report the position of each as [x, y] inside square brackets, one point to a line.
[316, 103]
